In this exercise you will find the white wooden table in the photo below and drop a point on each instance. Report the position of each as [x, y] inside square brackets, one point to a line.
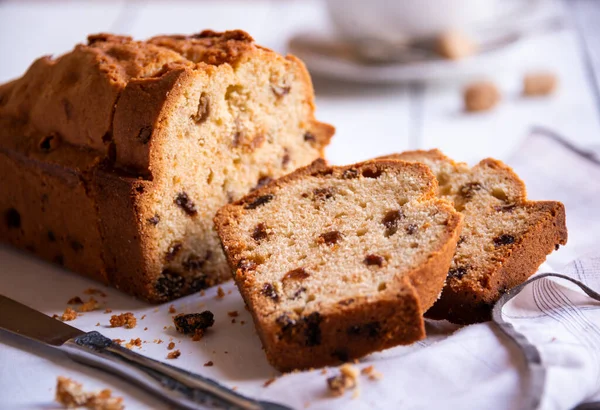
[370, 120]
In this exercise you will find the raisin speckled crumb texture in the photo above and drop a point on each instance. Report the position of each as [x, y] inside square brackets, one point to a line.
[481, 96]
[505, 236]
[108, 118]
[337, 262]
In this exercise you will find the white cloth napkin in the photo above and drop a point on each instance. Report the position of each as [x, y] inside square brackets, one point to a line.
[549, 357]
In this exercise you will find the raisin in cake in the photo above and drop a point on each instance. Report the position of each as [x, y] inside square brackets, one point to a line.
[504, 239]
[115, 156]
[338, 262]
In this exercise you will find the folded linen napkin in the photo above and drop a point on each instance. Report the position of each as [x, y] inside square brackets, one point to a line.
[543, 348]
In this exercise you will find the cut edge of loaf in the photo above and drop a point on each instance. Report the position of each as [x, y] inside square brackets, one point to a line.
[397, 313]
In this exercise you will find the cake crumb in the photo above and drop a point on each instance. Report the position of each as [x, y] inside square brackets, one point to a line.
[323, 371]
[170, 346]
[269, 382]
[455, 45]
[347, 379]
[233, 313]
[202, 293]
[98, 324]
[107, 310]
[174, 354]
[539, 84]
[104, 401]
[158, 341]
[134, 342]
[70, 394]
[145, 328]
[194, 323]
[172, 309]
[75, 301]
[198, 335]
[89, 306]
[220, 293]
[68, 315]
[118, 341]
[371, 373]
[209, 363]
[126, 320]
[481, 96]
[143, 317]
[229, 292]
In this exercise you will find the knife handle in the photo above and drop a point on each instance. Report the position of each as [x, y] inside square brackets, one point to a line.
[182, 388]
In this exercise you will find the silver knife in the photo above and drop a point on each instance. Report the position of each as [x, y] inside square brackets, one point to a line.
[176, 386]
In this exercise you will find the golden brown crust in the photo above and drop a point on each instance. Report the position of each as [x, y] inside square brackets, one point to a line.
[98, 118]
[39, 214]
[393, 318]
[137, 82]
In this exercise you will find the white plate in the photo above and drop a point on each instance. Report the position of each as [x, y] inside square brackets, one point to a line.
[325, 56]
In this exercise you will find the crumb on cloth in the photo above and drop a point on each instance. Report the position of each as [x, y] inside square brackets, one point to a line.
[70, 394]
[346, 379]
[68, 315]
[126, 320]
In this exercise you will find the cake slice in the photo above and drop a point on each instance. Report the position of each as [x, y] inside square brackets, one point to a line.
[115, 157]
[504, 239]
[338, 262]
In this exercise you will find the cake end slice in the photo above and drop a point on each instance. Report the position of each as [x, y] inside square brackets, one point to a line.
[504, 240]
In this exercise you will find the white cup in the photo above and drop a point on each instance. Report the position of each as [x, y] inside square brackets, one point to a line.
[400, 20]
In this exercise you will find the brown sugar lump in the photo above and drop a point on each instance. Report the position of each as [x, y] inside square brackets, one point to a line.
[504, 239]
[455, 45]
[115, 156]
[539, 84]
[338, 262]
[481, 96]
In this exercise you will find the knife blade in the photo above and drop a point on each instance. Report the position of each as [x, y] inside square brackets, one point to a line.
[174, 385]
[29, 323]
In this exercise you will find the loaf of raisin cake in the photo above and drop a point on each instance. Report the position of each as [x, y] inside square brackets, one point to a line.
[338, 262]
[115, 156]
[504, 239]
